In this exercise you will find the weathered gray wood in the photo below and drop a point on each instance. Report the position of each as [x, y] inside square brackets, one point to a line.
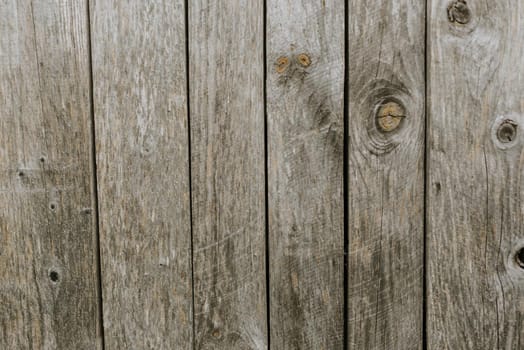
[305, 106]
[48, 260]
[227, 161]
[475, 183]
[142, 152]
[385, 174]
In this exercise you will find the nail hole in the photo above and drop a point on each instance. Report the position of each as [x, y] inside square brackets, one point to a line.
[519, 258]
[507, 131]
[304, 60]
[282, 64]
[52, 206]
[53, 275]
[21, 173]
[42, 159]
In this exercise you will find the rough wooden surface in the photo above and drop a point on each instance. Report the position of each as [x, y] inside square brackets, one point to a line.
[305, 109]
[475, 183]
[385, 174]
[142, 152]
[49, 287]
[227, 162]
[48, 259]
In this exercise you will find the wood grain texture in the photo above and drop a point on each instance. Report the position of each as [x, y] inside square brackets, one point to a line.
[227, 162]
[475, 182]
[48, 259]
[142, 152]
[385, 174]
[305, 109]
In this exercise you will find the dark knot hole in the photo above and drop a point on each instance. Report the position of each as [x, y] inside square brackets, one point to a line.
[519, 258]
[53, 275]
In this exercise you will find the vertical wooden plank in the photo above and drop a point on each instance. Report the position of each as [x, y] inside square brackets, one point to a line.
[305, 108]
[475, 183]
[48, 252]
[386, 174]
[142, 152]
[227, 161]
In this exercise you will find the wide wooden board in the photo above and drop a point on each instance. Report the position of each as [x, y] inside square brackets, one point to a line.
[305, 115]
[140, 99]
[475, 167]
[48, 245]
[385, 174]
[226, 79]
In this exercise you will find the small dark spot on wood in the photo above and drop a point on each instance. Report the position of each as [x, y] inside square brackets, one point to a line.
[519, 258]
[52, 206]
[459, 12]
[42, 159]
[282, 64]
[437, 187]
[21, 173]
[304, 60]
[53, 276]
[507, 131]
[86, 211]
[216, 333]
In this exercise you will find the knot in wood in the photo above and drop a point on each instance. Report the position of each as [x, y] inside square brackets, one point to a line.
[304, 60]
[389, 116]
[282, 64]
[459, 12]
[53, 276]
[507, 131]
[519, 258]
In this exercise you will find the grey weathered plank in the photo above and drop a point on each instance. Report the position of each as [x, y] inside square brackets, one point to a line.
[227, 162]
[385, 174]
[48, 260]
[475, 183]
[142, 153]
[305, 108]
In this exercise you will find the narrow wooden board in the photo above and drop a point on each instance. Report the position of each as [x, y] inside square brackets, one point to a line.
[142, 159]
[475, 182]
[305, 112]
[227, 160]
[386, 174]
[48, 253]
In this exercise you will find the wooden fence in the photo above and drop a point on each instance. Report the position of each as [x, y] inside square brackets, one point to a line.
[248, 174]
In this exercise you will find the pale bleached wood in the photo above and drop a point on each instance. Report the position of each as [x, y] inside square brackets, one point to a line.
[142, 153]
[227, 160]
[305, 108]
[475, 183]
[385, 175]
[48, 260]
